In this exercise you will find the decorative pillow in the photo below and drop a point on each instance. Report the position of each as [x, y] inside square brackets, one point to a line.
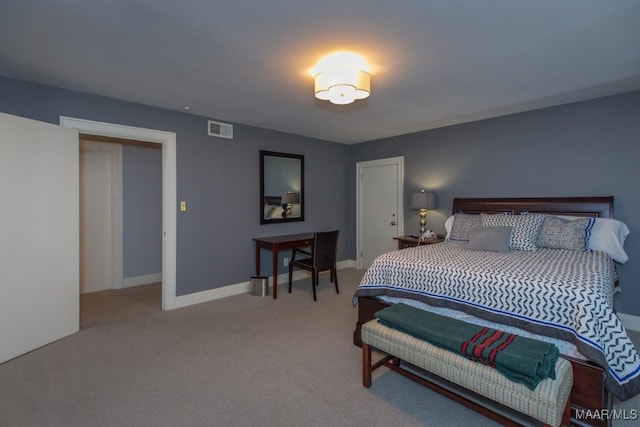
[525, 228]
[268, 209]
[494, 239]
[462, 223]
[560, 233]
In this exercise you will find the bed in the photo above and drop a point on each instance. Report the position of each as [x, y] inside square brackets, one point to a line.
[555, 294]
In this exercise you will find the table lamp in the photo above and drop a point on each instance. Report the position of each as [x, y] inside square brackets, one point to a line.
[288, 199]
[423, 201]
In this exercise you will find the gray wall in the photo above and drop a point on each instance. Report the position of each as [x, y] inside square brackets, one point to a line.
[217, 177]
[142, 211]
[590, 148]
[582, 149]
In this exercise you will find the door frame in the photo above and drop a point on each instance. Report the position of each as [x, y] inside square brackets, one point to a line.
[397, 161]
[169, 189]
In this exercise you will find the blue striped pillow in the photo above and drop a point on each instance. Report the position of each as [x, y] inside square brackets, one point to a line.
[561, 233]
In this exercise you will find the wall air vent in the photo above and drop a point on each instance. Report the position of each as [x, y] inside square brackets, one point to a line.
[221, 130]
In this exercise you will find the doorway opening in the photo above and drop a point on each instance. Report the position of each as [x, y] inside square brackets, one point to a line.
[120, 229]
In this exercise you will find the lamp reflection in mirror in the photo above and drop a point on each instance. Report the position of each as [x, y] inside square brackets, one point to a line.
[423, 201]
[289, 198]
[341, 78]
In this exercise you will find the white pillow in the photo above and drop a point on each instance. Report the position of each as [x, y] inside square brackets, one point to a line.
[608, 235]
[277, 212]
[448, 224]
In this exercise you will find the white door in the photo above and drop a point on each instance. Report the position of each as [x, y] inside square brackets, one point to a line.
[379, 207]
[39, 214]
[98, 228]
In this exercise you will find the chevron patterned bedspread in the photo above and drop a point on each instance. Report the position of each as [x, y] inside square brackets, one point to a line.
[558, 293]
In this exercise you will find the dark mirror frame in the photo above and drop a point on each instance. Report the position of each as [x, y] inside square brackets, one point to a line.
[300, 157]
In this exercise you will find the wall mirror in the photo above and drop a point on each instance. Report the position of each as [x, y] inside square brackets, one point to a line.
[281, 187]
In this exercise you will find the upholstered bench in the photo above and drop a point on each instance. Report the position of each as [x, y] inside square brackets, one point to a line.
[548, 403]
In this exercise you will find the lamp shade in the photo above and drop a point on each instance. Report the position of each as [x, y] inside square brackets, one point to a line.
[341, 78]
[423, 200]
[290, 198]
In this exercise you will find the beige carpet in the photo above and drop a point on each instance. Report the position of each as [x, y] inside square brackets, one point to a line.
[98, 308]
[238, 361]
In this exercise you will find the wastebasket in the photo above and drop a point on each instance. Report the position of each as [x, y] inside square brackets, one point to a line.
[259, 286]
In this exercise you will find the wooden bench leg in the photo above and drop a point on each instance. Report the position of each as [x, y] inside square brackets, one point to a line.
[366, 365]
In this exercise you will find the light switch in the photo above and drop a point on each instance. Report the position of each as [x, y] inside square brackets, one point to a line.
[183, 205]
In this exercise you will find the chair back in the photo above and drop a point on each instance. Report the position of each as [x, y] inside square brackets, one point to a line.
[325, 246]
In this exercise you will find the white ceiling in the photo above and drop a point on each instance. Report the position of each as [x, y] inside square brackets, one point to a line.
[433, 62]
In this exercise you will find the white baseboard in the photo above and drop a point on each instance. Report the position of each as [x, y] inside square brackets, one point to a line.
[349, 263]
[629, 321]
[147, 279]
[244, 287]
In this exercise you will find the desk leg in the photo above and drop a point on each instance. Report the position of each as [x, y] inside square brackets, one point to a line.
[275, 273]
[257, 259]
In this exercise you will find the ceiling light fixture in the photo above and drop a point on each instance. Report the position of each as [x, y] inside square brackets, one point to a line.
[341, 78]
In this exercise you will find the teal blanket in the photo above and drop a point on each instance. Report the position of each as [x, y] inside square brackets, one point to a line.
[520, 359]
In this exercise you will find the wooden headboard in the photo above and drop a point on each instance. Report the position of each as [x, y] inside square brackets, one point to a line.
[273, 200]
[575, 206]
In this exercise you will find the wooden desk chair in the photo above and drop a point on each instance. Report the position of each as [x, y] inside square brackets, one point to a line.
[321, 258]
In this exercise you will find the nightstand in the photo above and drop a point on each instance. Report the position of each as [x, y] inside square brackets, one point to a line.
[409, 241]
